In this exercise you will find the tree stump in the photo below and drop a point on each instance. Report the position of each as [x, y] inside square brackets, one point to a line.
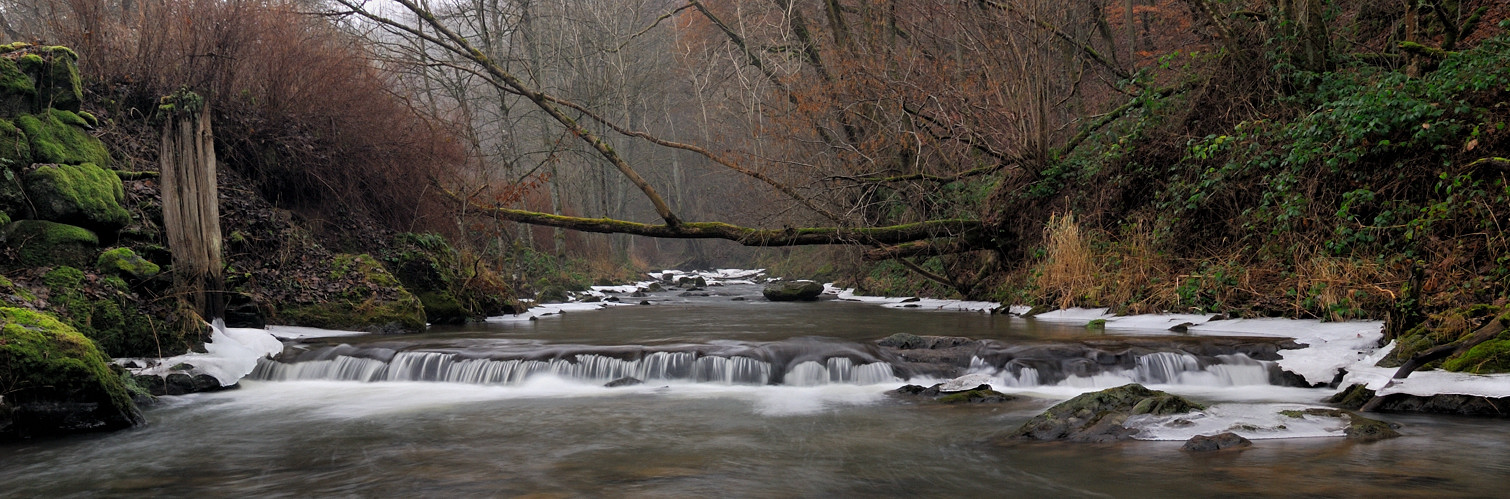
[191, 211]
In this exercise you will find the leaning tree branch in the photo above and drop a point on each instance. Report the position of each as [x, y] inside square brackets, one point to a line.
[1059, 33]
[748, 236]
[1485, 333]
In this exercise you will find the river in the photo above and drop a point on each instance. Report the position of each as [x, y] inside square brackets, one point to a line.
[742, 399]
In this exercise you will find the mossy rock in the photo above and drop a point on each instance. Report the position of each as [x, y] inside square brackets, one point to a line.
[56, 380]
[125, 263]
[426, 265]
[554, 293]
[792, 291]
[84, 195]
[109, 314]
[381, 306]
[1098, 416]
[54, 71]
[18, 93]
[1489, 357]
[39, 243]
[15, 148]
[58, 136]
[442, 308]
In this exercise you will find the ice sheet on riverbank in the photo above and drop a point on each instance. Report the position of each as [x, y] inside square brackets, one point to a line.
[230, 355]
[301, 332]
[848, 294]
[553, 310]
[1424, 383]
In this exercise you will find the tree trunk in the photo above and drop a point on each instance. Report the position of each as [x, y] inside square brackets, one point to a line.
[191, 212]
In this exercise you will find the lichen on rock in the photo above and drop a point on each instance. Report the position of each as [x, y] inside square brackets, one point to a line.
[57, 380]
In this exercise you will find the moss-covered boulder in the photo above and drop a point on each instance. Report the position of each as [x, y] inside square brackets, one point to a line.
[18, 93]
[15, 148]
[58, 136]
[39, 243]
[54, 71]
[84, 195]
[104, 309]
[1452, 326]
[1098, 416]
[451, 289]
[56, 380]
[125, 263]
[381, 305]
[792, 291]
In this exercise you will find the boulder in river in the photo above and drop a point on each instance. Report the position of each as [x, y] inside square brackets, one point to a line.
[624, 381]
[56, 380]
[1098, 416]
[1208, 443]
[981, 394]
[1358, 427]
[792, 291]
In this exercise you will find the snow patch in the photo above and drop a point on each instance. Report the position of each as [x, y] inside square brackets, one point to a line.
[230, 355]
[1082, 315]
[301, 332]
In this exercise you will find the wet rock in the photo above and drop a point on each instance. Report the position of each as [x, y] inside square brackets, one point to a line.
[1098, 416]
[981, 395]
[1465, 405]
[177, 383]
[1358, 428]
[792, 291]
[624, 381]
[910, 305]
[644, 302]
[592, 299]
[738, 298]
[612, 299]
[637, 294]
[1208, 443]
[654, 287]
[56, 380]
[685, 294]
[912, 300]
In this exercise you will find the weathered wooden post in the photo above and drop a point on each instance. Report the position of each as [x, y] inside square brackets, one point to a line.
[191, 212]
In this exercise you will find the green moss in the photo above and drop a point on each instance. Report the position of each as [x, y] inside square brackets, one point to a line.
[43, 360]
[1489, 357]
[106, 312]
[381, 305]
[451, 291]
[55, 71]
[13, 46]
[17, 91]
[84, 195]
[15, 149]
[124, 262]
[89, 119]
[55, 140]
[39, 243]
[1096, 325]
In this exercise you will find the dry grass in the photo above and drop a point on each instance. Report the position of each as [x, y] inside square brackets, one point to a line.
[1069, 272]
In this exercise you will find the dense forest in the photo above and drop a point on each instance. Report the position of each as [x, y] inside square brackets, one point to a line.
[388, 164]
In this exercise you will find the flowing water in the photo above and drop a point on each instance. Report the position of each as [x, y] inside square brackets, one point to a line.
[741, 398]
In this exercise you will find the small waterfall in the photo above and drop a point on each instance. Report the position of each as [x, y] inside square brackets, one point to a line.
[839, 370]
[1163, 368]
[656, 366]
[1157, 368]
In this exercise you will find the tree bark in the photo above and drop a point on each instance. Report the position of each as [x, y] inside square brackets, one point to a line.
[191, 213]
